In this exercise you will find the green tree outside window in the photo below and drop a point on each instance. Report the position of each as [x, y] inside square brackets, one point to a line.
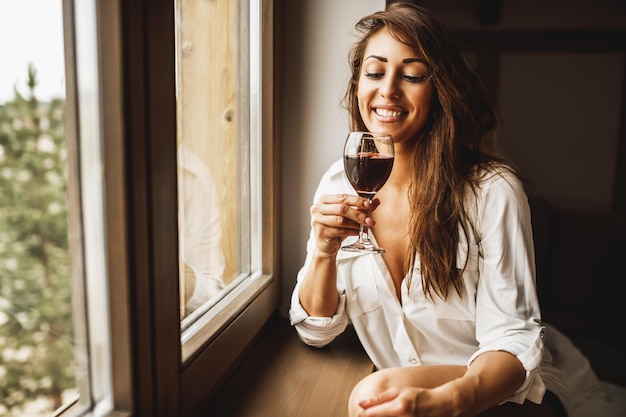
[36, 344]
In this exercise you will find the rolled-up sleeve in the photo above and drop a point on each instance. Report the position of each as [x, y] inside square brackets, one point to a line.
[507, 309]
[531, 356]
[318, 331]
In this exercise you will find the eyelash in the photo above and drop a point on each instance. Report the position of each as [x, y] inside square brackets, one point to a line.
[379, 75]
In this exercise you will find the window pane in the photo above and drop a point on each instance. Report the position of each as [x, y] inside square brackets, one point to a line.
[212, 156]
[37, 368]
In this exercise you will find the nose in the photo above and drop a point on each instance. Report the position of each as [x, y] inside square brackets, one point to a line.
[390, 87]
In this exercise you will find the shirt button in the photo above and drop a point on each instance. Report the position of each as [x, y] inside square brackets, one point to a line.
[412, 361]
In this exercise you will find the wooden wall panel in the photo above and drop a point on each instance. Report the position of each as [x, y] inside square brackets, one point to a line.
[207, 107]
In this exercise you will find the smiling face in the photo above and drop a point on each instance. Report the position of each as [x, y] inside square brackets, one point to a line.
[393, 90]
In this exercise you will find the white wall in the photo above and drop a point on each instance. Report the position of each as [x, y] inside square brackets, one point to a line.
[316, 37]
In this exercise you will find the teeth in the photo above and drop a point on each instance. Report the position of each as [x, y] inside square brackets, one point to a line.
[388, 113]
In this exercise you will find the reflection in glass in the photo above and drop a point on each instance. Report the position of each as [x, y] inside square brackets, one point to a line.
[213, 188]
[201, 256]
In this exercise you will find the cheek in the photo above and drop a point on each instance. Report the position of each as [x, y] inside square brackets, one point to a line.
[362, 105]
[424, 103]
[364, 92]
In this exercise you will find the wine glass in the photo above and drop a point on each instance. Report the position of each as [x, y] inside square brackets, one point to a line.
[367, 161]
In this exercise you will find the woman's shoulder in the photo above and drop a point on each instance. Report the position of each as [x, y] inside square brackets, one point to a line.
[497, 185]
[500, 188]
[335, 169]
[497, 175]
[334, 173]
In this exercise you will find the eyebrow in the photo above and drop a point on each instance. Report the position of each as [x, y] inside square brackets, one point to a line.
[404, 61]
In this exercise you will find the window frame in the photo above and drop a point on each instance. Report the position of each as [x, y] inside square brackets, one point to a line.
[151, 372]
[104, 373]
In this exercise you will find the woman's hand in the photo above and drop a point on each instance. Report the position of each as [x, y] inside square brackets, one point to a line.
[409, 402]
[336, 216]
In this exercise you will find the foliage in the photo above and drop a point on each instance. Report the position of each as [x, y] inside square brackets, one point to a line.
[36, 354]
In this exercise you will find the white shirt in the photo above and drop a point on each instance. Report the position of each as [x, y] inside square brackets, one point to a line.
[498, 310]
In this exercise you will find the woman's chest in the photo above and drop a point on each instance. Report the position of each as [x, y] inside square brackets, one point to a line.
[370, 293]
[392, 233]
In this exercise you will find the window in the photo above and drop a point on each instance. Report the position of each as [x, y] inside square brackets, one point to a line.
[130, 119]
[224, 156]
[213, 152]
[37, 367]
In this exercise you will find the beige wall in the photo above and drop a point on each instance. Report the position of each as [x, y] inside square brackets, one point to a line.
[316, 36]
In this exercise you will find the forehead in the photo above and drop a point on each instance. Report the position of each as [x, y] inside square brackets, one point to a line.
[382, 44]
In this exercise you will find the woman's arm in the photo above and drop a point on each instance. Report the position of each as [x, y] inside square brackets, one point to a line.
[333, 218]
[490, 379]
[438, 390]
[318, 290]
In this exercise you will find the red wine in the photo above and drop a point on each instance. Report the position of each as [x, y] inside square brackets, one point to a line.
[367, 172]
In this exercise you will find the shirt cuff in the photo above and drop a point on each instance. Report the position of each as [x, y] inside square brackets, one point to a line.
[533, 387]
[318, 331]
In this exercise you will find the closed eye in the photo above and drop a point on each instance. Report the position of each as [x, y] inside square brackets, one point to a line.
[374, 75]
[410, 78]
[416, 80]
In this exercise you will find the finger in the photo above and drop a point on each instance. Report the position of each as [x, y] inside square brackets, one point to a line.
[340, 215]
[347, 199]
[388, 395]
[335, 216]
[349, 216]
[329, 232]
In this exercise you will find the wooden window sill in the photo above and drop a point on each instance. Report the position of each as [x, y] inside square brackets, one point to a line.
[283, 377]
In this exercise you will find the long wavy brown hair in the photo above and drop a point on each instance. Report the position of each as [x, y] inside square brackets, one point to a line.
[455, 150]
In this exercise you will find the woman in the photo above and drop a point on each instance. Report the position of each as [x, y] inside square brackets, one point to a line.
[449, 313]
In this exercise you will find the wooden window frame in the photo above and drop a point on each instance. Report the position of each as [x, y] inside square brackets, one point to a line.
[152, 374]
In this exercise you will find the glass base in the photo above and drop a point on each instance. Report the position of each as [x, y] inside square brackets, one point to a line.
[363, 247]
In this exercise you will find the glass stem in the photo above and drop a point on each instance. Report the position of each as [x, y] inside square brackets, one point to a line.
[364, 235]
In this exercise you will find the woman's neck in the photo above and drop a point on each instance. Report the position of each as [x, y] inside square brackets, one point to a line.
[403, 167]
